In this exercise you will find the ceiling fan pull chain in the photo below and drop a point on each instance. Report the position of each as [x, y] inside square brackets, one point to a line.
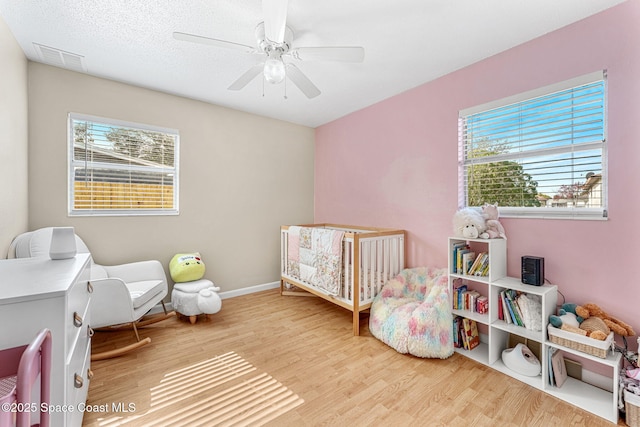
[285, 87]
[263, 86]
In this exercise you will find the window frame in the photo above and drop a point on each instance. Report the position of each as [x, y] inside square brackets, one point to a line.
[600, 213]
[72, 163]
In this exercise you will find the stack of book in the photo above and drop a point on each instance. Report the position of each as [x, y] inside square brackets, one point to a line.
[469, 299]
[466, 262]
[511, 308]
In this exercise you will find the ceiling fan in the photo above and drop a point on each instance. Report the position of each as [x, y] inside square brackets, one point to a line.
[274, 41]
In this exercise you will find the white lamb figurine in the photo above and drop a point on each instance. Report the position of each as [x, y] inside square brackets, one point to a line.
[469, 223]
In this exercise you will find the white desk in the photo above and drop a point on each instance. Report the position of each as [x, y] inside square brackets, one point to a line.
[38, 293]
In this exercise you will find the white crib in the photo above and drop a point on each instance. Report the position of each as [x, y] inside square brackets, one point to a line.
[378, 254]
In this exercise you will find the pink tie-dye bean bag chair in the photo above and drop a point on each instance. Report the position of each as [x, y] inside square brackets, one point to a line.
[412, 313]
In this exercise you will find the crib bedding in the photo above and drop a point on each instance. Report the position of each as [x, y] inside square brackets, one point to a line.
[345, 265]
[315, 257]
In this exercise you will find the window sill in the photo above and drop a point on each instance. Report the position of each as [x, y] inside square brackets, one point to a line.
[581, 214]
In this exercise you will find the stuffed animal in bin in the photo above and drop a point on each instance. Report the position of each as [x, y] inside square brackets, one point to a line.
[495, 229]
[469, 223]
[592, 321]
[591, 310]
[567, 319]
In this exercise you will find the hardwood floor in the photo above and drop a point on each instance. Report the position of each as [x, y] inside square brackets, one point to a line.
[306, 344]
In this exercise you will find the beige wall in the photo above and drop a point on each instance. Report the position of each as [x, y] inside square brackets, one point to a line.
[241, 177]
[13, 139]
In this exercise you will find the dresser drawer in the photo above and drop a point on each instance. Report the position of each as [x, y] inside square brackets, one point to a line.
[77, 309]
[77, 382]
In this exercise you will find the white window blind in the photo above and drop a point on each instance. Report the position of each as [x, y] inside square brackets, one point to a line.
[538, 154]
[120, 168]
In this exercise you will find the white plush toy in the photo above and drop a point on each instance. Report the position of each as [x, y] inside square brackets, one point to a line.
[469, 223]
[495, 229]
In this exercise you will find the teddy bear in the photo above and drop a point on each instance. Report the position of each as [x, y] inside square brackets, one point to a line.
[469, 223]
[591, 310]
[494, 227]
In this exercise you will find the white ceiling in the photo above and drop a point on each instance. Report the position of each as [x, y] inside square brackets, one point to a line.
[407, 43]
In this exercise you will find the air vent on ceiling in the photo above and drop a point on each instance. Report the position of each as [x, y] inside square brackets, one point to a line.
[60, 58]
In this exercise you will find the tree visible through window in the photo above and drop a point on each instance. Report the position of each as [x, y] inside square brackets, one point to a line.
[121, 168]
[538, 154]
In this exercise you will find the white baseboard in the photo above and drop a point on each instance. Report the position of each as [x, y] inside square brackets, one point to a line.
[225, 295]
[249, 290]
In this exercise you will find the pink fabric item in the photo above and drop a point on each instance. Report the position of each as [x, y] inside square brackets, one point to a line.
[315, 257]
[293, 243]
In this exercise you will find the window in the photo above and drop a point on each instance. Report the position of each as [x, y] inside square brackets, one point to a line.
[119, 168]
[538, 154]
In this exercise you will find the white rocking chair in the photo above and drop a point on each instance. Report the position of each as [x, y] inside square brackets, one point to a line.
[122, 294]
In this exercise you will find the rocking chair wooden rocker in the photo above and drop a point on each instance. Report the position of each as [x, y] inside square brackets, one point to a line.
[122, 294]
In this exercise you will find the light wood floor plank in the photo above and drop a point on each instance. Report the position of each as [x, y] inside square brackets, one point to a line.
[306, 345]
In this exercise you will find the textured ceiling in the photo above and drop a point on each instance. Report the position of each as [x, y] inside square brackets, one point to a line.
[407, 43]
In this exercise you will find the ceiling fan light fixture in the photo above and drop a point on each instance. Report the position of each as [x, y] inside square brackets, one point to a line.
[274, 70]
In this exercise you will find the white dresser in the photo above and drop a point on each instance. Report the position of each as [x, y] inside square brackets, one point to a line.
[38, 293]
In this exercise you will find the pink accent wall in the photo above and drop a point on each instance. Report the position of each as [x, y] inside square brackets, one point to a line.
[394, 164]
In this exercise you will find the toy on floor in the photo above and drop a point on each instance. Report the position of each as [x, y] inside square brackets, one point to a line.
[192, 295]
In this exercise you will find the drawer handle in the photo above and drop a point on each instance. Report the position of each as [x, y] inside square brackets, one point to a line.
[77, 381]
[90, 331]
[89, 374]
[89, 287]
[77, 319]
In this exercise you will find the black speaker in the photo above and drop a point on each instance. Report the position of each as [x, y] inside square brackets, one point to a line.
[533, 270]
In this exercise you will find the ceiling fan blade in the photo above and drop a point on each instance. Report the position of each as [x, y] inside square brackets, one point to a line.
[212, 42]
[302, 81]
[275, 19]
[249, 75]
[344, 53]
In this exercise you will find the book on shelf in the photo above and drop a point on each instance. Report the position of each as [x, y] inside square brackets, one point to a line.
[460, 261]
[471, 336]
[480, 266]
[470, 298]
[516, 315]
[458, 291]
[559, 368]
[457, 332]
[509, 316]
[457, 247]
[516, 310]
[482, 304]
[467, 261]
[476, 262]
[483, 269]
[463, 298]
